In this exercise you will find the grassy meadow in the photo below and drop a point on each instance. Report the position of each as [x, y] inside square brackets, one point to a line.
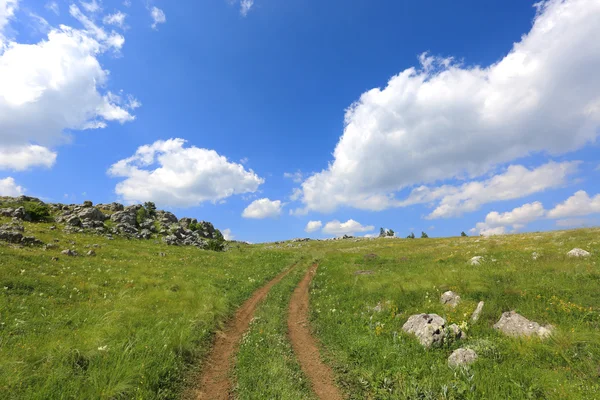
[374, 359]
[126, 323]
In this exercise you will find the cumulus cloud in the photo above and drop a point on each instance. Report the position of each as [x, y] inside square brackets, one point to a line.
[158, 17]
[50, 87]
[245, 6]
[263, 208]
[518, 181]
[313, 226]
[8, 187]
[497, 223]
[117, 19]
[578, 205]
[227, 234]
[170, 174]
[444, 120]
[349, 227]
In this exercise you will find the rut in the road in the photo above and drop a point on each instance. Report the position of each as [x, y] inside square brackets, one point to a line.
[214, 381]
[305, 345]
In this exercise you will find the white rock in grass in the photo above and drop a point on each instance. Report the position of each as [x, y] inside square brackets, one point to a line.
[450, 298]
[462, 358]
[477, 260]
[477, 312]
[428, 328]
[535, 255]
[578, 253]
[516, 325]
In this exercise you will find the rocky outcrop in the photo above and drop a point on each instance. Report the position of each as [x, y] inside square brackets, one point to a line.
[578, 253]
[450, 298]
[477, 260]
[430, 329]
[516, 325]
[462, 358]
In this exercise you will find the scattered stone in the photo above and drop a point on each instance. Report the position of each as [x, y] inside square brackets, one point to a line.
[11, 236]
[477, 312]
[450, 298]
[455, 332]
[53, 227]
[365, 272]
[462, 358]
[69, 252]
[54, 258]
[161, 254]
[428, 328]
[91, 253]
[578, 253]
[535, 255]
[515, 325]
[477, 260]
[31, 241]
[50, 246]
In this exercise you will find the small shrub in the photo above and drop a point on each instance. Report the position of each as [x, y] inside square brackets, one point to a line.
[141, 215]
[424, 235]
[215, 245]
[411, 236]
[463, 234]
[150, 208]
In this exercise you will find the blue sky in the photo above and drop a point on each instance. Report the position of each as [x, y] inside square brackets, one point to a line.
[444, 117]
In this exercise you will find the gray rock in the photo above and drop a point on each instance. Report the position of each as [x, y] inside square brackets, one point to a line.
[69, 252]
[428, 328]
[171, 240]
[7, 212]
[450, 298]
[462, 358]
[477, 312]
[515, 325]
[21, 214]
[91, 253]
[578, 253]
[477, 260]
[11, 236]
[92, 214]
[166, 217]
[144, 234]
[535, 255]
[31, 241]
[73, 221]
[185, 222]
[124, 217]
[455, 332]
[88, 203]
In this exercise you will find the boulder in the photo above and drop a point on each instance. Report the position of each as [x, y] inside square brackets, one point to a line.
[124, 217]
[73, 221]
[144, 234]
[450, 298]
[462, 358]
[31, 241]
[92, 214]
[21, 214]
[166, 217]
[69, 252]
[477, 260]
[7, 212]
[477, 312]
[11, 236]
[113, 207]
[578, 253]
[428, 328]
[91, 253]
[185, 222]
[516, 325]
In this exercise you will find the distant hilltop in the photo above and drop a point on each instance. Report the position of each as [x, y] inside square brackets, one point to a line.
[135, 221]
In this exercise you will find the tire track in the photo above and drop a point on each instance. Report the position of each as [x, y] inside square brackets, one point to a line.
[305, 345]
[214, 382]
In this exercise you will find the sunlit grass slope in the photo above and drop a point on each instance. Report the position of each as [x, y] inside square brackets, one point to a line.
[126, 323]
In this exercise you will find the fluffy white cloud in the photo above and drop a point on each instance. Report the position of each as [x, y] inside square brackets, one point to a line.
[515, 183]
[313, 226]
[263, 208]
[20, 158]
[158, 17]
[227, 234]
[8, 187]
[446, 120]
[91, 6]
[497, 223]
[117, 19]
[349, 227]
[53, 86]
[578, 205]
[245, 6]
[184, 176]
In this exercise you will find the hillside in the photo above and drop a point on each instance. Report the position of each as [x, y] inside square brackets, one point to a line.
[91, 311]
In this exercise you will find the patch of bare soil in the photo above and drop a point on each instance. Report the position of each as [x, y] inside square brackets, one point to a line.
[305, 345]
[214, 382]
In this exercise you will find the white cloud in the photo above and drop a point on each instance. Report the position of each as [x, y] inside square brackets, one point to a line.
[7, 12]
[313, 226]
[8, 187]
[578, 205]
[497, 223]
[20, 158]
[91, 6]
[245, 6]
[294, 176]
[515, 183]
[50, 87]
[53, 6]
[184, 176]
[158, 17]
[263, 208]
[227, 234]
[127, 3]
[446, 120]
[349, 227]
[117, 19]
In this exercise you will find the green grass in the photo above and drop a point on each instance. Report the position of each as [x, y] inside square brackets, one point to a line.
[266, 367]
[374, 359]
[124, 324]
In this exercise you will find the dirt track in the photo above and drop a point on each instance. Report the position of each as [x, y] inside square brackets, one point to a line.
[214, 381]
[305, 345]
